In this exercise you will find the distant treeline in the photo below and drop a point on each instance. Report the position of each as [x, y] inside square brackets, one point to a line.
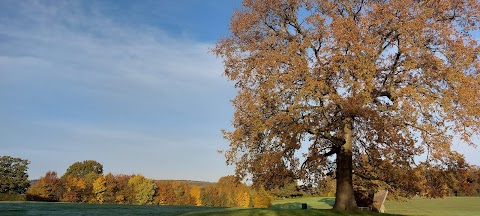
[85, 182]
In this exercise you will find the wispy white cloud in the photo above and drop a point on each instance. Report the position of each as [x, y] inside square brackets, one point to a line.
[65, 44]
[109, 136]
[83, 86]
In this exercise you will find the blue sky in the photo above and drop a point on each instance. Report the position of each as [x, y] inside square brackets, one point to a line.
[130, 84]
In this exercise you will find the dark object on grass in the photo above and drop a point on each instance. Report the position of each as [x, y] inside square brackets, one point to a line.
[304, 205]
[364, 198]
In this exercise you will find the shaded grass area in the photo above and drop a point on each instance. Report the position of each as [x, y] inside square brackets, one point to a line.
[312, 202]
[282, 212]
[40, 208]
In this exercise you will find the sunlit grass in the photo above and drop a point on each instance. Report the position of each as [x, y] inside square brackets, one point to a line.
[468, 206]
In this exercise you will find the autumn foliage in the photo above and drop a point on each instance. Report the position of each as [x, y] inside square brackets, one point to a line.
[85, 182]
[261, 199]
[99, 189]
[373, 89]
[454, 179]
[47, 188]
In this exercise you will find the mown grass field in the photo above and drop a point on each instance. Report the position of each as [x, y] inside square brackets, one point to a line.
[468, 206]
[462, 206]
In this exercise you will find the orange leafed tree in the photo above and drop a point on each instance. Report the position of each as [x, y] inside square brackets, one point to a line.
[46, 189]
[381, 80]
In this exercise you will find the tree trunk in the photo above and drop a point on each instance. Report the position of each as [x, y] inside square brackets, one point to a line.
[344, 198]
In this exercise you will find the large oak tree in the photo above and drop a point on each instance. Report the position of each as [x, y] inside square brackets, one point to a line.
[374, 82]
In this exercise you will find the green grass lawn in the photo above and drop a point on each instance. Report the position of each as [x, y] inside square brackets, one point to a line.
[468, 206]
[464, 206]
[282, 212]
[55, 209]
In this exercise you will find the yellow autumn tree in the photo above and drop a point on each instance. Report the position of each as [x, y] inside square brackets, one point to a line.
[390, 80]
[261, 199]
[195, 192]
[242, 196]
[143, 188]
[231, 192]
[99, 188]
[226, 187]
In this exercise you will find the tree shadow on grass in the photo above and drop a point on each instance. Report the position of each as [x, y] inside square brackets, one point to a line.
[292, 205]
[326, 203]
[327, 200]
[284, 212]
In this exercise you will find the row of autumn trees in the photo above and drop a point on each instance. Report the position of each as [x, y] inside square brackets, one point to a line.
[453, 178]
[85, 182]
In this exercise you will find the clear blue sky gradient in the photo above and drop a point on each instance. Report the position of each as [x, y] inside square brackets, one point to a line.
[130, 84]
